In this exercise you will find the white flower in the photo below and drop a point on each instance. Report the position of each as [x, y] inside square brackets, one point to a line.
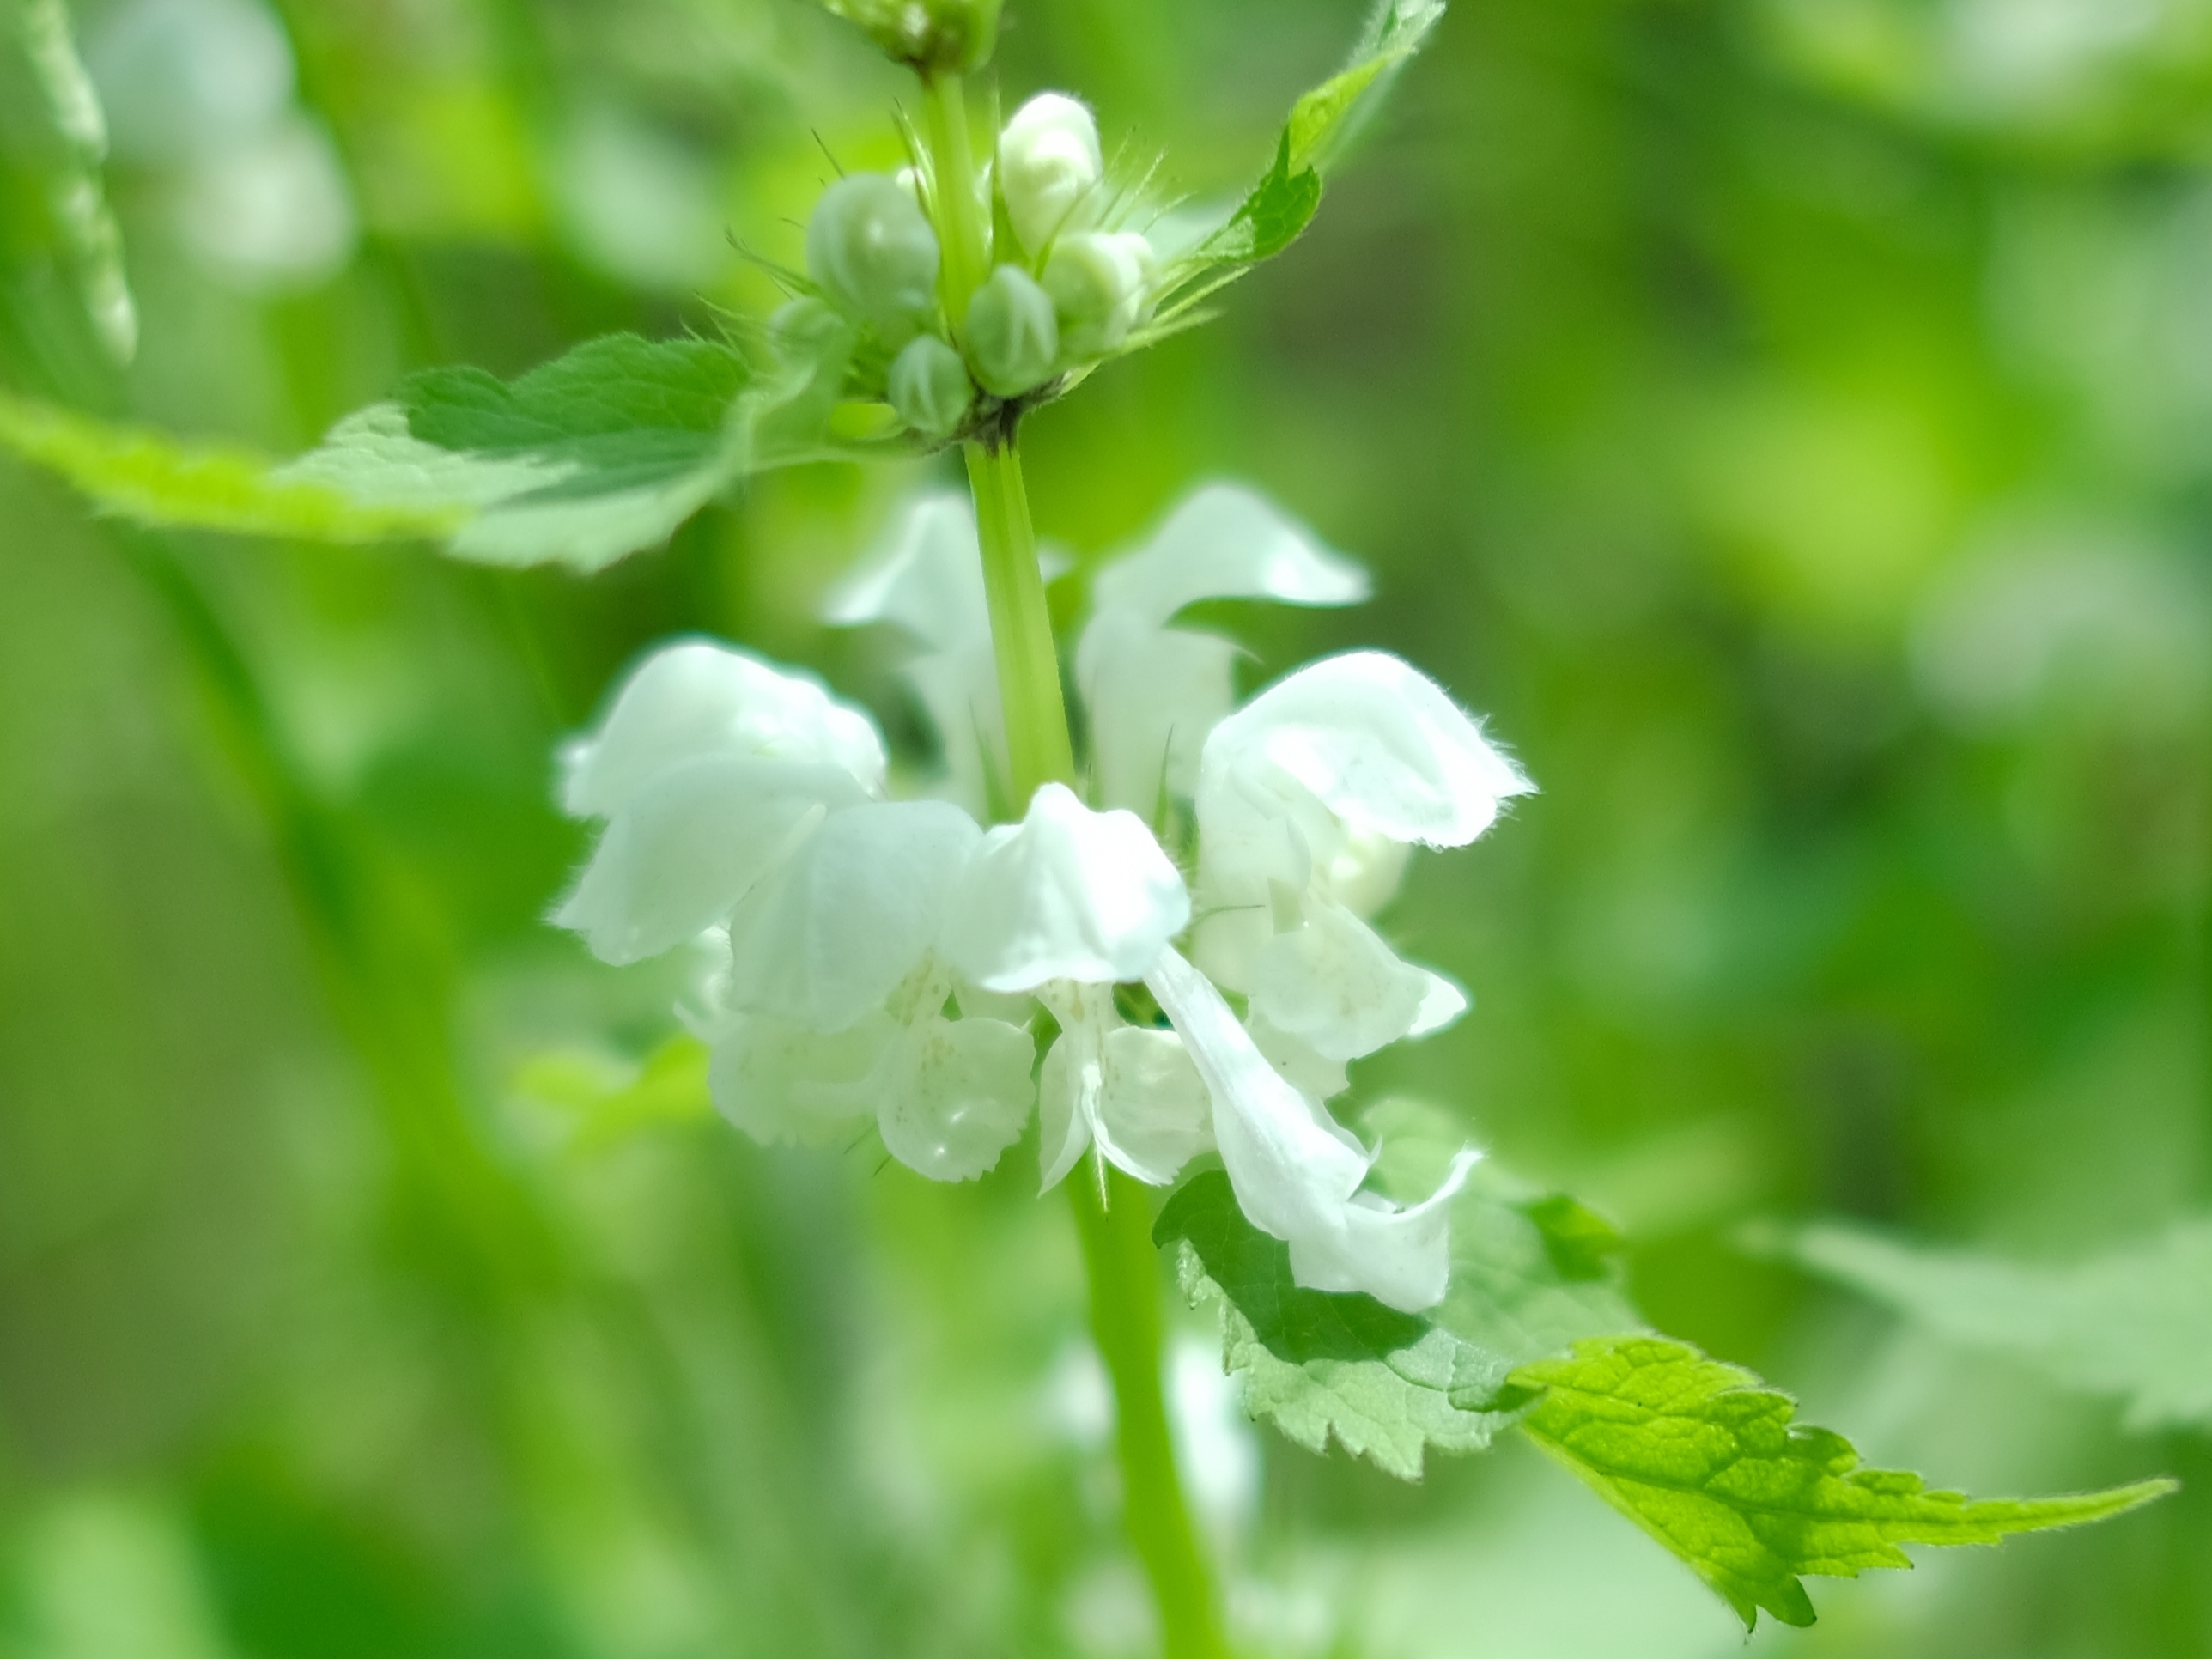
[1153, 692]
[1307, 798]
[1066, 904]
[882, 957]
[741, 806]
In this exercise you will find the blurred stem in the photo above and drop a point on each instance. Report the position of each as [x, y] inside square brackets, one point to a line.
[1113, 1220]
[1125, 1322]
[962, 237]
[1037, 747]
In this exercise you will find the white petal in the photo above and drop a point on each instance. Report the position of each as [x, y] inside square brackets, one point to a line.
[694, 699]
[926, 575]
[1226, 542]
[1335, 986]
[961, 1099]
[1294, 1178]
[1152, 694]
[1402, 1258]
[831, 934]
[1311, 1073]
[1131, 1090]
[1444, 1002]
[1155, 1114]
[778, 1083]
[685, 848]
[1069, 893]
[1371, 739]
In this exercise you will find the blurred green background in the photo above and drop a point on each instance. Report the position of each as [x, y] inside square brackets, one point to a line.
[1789, 420]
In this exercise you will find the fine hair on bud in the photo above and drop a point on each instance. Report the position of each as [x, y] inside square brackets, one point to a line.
[1014, 338]
[1097, 282]
[874, 254]
[1049, 169]
[929, 386]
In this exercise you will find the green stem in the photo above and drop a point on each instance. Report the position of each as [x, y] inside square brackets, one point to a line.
[1117, 1246]
[963, 235]
[1037, 747]
[1125, 1322]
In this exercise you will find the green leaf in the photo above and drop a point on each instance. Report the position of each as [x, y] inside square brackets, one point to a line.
[601, 1101]
[1388, 1386]
[1275, 211]
[137, 473]
[2137, 1324]
[41, 76]
[1711, 1463]
[1326, 119]
[579, 461]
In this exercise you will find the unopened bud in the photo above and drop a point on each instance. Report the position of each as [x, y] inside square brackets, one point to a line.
[930, 35]
[929, 388]
[874, 254]
[1049, 168]
[1013, 339]
[1098, 280]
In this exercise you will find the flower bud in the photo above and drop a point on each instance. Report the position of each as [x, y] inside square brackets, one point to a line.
[930, 388]
[1013, 339]
[1049, 168]
[874, 254]
[1098, 280]
[928, 35]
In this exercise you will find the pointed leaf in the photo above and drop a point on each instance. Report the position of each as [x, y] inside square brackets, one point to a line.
[598, 454]
[1712, 1465]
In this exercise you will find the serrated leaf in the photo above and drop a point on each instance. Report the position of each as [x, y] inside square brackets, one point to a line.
[2137, 1324]
[578, 462]
[66, 147]
[1388, 1386]
[1712, 1464]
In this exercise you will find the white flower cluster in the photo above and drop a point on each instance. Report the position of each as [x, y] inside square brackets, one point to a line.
[886, 956]
[1068, 291]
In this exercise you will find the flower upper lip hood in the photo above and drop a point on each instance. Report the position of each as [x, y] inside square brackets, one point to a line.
[1068, 893]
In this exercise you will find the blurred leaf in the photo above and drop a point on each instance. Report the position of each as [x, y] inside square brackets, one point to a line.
[598, 454]
[138, 473]
[1710, 1464]
[606, 1103]
[1389, 1385]
[2137, 1324]
[70, 145]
